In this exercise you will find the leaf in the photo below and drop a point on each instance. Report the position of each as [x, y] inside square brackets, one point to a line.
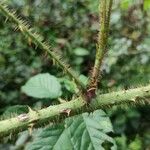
[126, 3]
[81, 51]
[136, 144]
[14, 110]
[84, 132]
[42, 86]
[83, 79]
[146, 4]
[69, 85]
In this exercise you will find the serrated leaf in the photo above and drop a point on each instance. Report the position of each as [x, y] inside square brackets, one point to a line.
[42, 86]
[84, 132]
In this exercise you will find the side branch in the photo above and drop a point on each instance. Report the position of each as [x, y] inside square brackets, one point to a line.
[55, 113]
[105, 12]
[38, 41]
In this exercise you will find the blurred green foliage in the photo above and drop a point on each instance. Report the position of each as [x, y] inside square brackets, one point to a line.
[71, 29]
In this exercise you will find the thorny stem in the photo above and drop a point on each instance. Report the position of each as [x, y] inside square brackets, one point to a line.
[105, 12]
[38, 41]
[76, 106]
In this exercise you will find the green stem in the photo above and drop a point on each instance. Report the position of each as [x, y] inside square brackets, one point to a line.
[105, 11]
[77, 106]
[38, 41]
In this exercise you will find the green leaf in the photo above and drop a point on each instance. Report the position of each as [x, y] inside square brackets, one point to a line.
[83, 79]
[146, 4]
[81, 51]
[42, 86]
[126, 3]
[84, 132]
[136, 144]
[69, 85]
[121, 142]
[15, 110]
